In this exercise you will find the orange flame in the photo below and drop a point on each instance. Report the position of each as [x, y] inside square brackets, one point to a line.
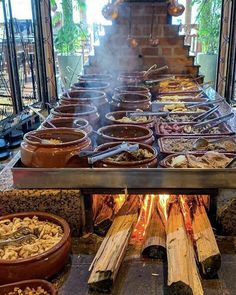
[186, 211]
[119, 201]
[144, 217]
[163, 201]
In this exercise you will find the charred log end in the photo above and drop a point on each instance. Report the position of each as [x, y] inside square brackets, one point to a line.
[104, 285]
[155, 252]
[102, 228]
[180, 288]
[211, 265]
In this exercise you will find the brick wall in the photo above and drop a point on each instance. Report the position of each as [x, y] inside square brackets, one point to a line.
[114, 54]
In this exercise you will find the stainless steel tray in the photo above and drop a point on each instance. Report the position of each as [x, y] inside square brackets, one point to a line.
[95, 178]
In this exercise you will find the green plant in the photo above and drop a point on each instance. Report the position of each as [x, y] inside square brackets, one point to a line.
[69, 37]
[208, 19]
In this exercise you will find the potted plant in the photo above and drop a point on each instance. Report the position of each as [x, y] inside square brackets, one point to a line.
[68, 41]
[208, 19]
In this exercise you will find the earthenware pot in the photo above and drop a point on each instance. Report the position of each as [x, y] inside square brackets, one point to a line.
[77, 111]
[146, 163]
[81, 124]
[131, 102]
[54, 148]
[40, 266]
[114, 133]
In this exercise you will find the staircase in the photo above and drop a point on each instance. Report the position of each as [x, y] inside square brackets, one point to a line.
[114, 55]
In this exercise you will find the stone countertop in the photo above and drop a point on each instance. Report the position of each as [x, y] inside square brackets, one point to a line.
[62, 202]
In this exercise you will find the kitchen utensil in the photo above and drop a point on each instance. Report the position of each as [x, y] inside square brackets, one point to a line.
[230, 164]
[149, 70]
[149, 82]
[202, 142]
[206, 114]
[41, 116]
[153, 41]
[67, 94]
[142, 114]
[157, 70]
[218, 120]
[125, 147]
[132, 41]
[208, 102]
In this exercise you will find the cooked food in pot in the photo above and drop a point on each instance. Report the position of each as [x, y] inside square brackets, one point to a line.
[130, 119]
[179, 84]
[52, 141]
[181, 107]
[167, 129]
[177, 98]
[185, 144]
[27, 237]
[180, 118]
[139, 155]
[28, 291]
[208, 160]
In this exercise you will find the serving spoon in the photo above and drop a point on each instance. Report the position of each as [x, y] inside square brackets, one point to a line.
[202, 142]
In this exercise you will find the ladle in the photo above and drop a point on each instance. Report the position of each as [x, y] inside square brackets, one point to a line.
[146, 73]
[67, 94]
[38, 139]
[160, 80]
[153, 41]
[42, 116]
[202, 142]
[132, 41]
[158, 70]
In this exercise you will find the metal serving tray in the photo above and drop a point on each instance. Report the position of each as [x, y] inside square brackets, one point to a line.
[95, 178]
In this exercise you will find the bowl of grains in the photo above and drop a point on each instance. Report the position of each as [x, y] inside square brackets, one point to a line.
[33, 245]
[29, 287]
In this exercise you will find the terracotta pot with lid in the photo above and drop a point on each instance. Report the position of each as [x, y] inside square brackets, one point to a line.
[133, 133]
[54, 148]
[97, 98]
[150, 162]
[71, 123]
[131, 102]
[77, 111]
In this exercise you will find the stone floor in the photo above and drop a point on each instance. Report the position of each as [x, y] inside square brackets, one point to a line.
[145, 277]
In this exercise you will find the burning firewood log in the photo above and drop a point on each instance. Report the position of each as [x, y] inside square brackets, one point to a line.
[104, 209]
[154, 241]
[183, 277]
[206, 246]
[108, 259]
[199, 227]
